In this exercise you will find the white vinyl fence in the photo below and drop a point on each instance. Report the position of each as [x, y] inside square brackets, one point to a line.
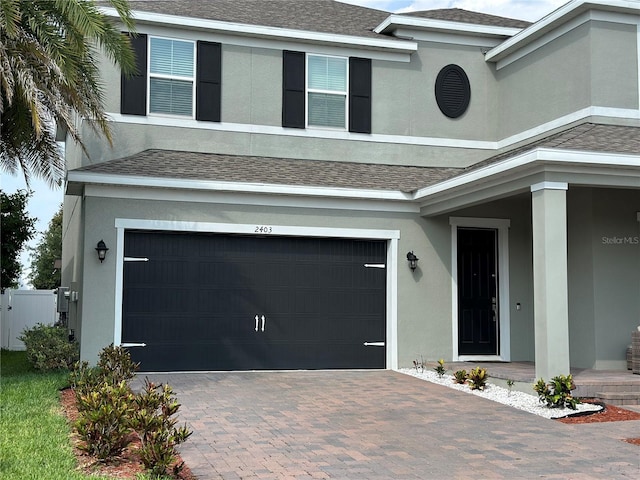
[24, 309]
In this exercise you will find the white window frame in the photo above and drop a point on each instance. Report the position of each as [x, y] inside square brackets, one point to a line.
[327, 92]
[191, 79]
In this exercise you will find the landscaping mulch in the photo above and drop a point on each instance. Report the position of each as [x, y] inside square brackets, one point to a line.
[127, 466]
[610, 413]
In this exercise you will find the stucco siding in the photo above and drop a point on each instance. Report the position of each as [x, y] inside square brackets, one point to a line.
[553, 81]
[604, 275]
[251, 85]
[405, 101]
[616, 260]
[130, 139]
[424, 305]
[614, 65]
[582, 341]
[72, 258]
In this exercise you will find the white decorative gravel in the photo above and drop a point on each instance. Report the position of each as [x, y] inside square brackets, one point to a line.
[515, 399]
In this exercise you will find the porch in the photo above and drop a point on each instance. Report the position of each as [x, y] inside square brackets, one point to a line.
[567, 291]
[616, 387]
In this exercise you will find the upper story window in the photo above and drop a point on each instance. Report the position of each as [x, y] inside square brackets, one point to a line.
[327, 91]
[171, 76]
[174, 77]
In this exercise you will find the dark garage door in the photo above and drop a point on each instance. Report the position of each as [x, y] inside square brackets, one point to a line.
[228, 302]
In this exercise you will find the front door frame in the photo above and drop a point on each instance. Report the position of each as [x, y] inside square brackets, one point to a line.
[502, 226]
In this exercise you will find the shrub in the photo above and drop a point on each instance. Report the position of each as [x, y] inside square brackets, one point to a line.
[557, 393]
[105, 402]
[110, 414]
[154, 423]
[115, 365]
[478, 378]
[49, 348]
[439, 369]
[104, 422]
[83, 378]
[460, 377]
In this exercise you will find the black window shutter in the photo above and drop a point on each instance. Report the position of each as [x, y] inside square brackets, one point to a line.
[208, 81]
[133, 96]
[293, 89]
[360, 95]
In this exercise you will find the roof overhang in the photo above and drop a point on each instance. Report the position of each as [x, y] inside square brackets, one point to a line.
[516, 175]
[556, 18]
[77, 179]
[498, 180]
[270, 33]
[396, 21]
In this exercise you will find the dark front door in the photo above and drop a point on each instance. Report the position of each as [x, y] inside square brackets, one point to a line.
[225, 302]
[477, 292]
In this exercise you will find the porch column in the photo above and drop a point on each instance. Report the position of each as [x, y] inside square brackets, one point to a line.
[550, 279]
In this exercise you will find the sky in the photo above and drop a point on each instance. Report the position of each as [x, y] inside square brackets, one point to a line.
[43, 205]
[45, 201]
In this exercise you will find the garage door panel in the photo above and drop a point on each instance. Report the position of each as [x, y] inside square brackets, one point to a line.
[222, 356]
[344, 355]
[368, 303]
[195, 302]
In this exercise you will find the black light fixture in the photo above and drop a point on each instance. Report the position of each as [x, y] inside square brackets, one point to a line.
[413, 260]
[102, 249]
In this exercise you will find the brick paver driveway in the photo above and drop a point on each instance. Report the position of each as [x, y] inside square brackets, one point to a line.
[380, 425]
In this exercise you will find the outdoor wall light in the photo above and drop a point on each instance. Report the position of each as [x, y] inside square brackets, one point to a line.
[101, 248]
[413, 260]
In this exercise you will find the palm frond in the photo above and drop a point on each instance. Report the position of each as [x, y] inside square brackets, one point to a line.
[49, 74]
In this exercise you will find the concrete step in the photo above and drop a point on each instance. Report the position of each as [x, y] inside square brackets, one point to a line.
[619, 398]
[592, 389]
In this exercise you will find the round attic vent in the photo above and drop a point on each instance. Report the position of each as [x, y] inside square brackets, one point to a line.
[453, 91]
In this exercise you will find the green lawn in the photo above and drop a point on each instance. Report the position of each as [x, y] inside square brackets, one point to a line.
[34, 435]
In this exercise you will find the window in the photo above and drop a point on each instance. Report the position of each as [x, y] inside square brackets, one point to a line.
[171, 76]
[169, 79]
[326, 91]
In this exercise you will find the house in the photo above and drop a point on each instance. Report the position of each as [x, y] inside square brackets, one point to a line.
[277, 163]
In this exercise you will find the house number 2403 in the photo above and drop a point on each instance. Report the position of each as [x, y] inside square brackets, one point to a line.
[263, 229]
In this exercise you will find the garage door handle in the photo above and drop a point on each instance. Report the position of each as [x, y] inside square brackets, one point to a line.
[374, 265]
[258, 322]
[374, 344]
[133, 344]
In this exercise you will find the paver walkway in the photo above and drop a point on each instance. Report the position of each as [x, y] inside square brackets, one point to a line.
[381, 425]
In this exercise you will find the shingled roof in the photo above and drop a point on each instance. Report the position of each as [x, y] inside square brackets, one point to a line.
[368, 176]
[466, 16]
[269, 170]
[325, 16]
[585, 137]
